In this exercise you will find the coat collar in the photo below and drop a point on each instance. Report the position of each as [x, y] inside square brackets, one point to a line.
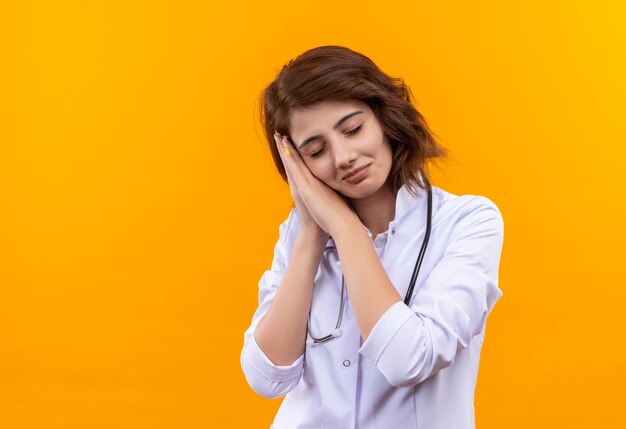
[405, 204]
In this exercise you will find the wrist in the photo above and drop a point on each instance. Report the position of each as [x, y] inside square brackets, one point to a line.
[312, 239]
[346, 227]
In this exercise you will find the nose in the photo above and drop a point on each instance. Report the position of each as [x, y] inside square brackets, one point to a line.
[344, 154]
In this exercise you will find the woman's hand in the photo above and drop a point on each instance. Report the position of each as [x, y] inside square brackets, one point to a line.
[321, 208]
[308, 225]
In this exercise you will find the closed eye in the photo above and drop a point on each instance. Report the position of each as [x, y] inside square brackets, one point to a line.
[354, 131]
[318, 153]
[348, 133]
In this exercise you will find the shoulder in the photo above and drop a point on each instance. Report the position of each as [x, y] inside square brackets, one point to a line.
[463, 209]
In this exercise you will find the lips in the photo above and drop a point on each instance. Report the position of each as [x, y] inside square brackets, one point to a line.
[353, 172]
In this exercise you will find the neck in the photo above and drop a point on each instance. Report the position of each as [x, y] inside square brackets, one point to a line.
[377, 210]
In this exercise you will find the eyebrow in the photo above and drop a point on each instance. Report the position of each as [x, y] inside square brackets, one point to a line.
[337, 125]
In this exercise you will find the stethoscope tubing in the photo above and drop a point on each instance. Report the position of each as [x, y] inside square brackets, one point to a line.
[420, 257]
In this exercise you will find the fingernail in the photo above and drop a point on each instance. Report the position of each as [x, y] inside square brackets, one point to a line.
[284, 140]
[276, 133]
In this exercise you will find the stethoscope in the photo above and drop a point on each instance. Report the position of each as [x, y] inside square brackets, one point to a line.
[409, 293]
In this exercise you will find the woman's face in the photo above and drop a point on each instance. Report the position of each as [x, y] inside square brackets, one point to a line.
[335, 138]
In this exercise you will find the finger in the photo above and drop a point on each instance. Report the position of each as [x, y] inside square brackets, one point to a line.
[281, 151]
[299, 170]
[288, 156]
[278, 139]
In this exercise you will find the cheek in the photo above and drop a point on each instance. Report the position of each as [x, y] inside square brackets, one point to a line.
[376, 142]
[313, 167]
[319, 170]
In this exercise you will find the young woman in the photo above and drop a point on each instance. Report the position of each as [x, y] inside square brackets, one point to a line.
[373, 312]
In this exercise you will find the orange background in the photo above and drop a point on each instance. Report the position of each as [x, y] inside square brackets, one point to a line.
[139, 205]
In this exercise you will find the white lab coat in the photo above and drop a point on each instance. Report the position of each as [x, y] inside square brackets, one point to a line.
[419, 365]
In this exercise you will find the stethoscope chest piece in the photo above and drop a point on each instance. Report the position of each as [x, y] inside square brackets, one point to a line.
[335, 334]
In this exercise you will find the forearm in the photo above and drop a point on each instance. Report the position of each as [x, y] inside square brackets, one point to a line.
[370, 290]
[281, 334]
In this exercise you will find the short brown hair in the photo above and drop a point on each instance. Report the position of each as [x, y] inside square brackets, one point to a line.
[337, 73]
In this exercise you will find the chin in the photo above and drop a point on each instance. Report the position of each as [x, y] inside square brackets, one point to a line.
[361, 190]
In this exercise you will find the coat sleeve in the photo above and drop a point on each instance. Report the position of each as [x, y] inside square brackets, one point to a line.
[408, 344]
[266, 378]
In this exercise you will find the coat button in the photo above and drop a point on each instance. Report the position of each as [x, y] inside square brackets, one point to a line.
[346, 363]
